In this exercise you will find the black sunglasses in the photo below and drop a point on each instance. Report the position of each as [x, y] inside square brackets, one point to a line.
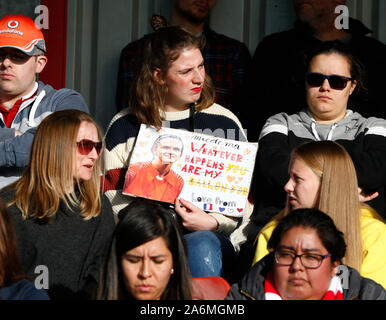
[336, 82]
[15, 56]
[85, 146]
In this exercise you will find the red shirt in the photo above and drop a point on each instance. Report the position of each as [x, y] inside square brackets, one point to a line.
[142, 180]
[9, 115]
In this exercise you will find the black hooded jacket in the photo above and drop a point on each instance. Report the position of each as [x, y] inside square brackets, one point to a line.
[251, 286]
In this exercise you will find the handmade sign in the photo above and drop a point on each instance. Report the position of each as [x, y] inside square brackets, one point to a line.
[213, 173]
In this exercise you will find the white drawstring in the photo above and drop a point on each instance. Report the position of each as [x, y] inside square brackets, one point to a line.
[316, 135]
[31, 118]
[313, 128]
[329, 136]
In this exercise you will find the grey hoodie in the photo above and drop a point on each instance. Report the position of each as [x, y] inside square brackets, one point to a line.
[363, 138]
[14, 151]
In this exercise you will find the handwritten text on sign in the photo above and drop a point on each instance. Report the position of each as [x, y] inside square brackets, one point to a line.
[216, 172]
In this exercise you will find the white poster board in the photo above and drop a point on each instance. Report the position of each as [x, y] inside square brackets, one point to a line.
[213, 173]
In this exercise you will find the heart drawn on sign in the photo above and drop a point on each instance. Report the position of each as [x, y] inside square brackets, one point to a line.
[230, 178]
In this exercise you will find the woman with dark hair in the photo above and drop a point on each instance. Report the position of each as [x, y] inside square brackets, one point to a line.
[333, 75]
[62, 220]
[147, 257]
[173, 90]
[13, 285]
[306, 252]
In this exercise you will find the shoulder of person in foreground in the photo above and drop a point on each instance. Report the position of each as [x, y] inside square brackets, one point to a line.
[361, 288]
[120, 139]
[262, 240]
[281, 123]
[373, 232]
[226, 120]
[376, 126]
[61, 99]
[23, 290]
[251, 286]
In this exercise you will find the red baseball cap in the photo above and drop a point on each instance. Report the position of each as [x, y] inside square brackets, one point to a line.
[20, 32]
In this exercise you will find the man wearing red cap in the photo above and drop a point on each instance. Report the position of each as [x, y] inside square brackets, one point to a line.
[24, 101]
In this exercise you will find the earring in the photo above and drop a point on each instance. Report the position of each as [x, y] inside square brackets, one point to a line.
[171, 271]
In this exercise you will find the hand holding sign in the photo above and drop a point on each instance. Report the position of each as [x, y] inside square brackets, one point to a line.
[193, 218]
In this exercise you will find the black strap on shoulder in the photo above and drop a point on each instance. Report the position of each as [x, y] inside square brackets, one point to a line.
[191, 117]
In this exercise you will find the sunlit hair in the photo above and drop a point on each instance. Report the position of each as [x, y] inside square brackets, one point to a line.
[338, 195]
[161, 49]
[9, 259]
[49, 177]
[140, 222]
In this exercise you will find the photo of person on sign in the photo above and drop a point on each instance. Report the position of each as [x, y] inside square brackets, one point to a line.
[155, 179]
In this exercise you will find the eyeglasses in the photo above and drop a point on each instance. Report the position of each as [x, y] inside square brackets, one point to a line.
[336, 82]
[15, 56]
[308, 260]
[85, 146]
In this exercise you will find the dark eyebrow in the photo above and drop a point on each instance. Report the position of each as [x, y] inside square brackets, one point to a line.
[128, 255]
[307, 250]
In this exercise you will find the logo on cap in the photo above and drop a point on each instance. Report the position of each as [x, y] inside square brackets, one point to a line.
[13, 24]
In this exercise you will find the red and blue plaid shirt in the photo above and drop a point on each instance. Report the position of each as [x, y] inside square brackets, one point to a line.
[227, 62]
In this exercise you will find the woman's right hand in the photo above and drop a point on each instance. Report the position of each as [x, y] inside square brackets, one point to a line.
[193, 218]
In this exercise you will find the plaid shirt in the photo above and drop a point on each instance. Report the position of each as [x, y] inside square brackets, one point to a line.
[227, 62]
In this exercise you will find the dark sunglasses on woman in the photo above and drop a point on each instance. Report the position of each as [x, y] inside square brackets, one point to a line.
[336, 82]
[85, 146]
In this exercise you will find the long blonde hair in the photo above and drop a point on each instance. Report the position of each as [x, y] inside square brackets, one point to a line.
[338, 194]
[49, 178]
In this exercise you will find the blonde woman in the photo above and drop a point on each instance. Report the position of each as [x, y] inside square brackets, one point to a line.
[62, 222]
[322, 176]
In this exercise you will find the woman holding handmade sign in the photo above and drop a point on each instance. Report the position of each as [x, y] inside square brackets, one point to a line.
[174, 91]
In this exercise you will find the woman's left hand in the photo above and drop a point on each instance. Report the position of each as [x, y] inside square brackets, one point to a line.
[193, 218]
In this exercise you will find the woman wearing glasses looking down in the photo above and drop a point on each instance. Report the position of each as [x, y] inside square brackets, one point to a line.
[306, 252]
[62, 222]
[333, 75]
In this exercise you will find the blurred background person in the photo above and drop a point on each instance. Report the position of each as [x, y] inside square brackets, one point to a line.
[227, 61]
